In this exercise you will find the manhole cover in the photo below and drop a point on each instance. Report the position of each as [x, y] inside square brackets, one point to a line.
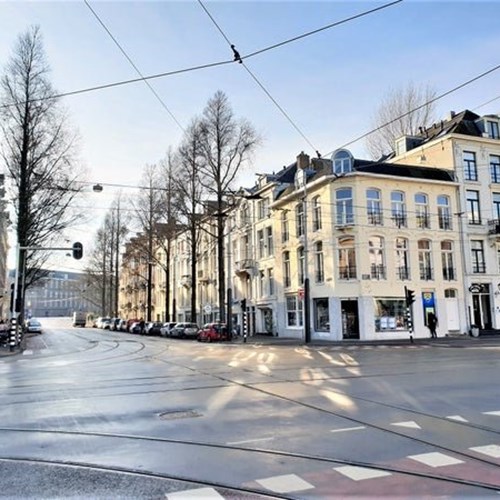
[176, 414]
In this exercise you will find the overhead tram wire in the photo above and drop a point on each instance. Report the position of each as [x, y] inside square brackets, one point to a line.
[238, 58]
[201, 66]
[430, 101]
[122, 50]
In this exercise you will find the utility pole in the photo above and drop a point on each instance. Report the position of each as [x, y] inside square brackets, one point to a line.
[150, 253]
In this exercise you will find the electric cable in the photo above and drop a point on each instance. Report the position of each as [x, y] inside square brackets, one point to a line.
[122, 50]
[256, 80]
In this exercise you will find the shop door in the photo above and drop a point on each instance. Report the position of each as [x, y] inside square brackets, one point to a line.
[481, 307]
[350, 320]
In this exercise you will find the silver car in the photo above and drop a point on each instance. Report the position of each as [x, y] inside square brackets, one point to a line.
[185, 330]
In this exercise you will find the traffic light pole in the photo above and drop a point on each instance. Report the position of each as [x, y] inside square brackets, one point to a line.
[410, 299]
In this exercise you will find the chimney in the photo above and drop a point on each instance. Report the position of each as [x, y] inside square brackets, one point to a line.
[451, 115]
[302, 161]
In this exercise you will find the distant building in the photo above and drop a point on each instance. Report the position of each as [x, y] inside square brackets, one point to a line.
[59, 294]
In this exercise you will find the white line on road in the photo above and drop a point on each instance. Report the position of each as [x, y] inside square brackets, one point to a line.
[27, 352]
[250, 441]
[346, 429]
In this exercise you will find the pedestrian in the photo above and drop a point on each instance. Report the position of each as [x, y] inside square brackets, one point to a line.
[432, 322]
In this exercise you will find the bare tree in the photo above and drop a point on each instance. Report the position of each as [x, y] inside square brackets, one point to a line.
[189, 186]
[37, 150]
[402, 112]
[227, 145]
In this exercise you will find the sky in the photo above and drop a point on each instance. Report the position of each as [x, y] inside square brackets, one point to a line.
[329, 84]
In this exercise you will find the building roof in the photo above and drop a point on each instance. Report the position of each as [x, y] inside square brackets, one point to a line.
[460, 123]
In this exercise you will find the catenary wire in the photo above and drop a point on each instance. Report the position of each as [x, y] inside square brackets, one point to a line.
[122, 50]
[185, 70]
[256, 80]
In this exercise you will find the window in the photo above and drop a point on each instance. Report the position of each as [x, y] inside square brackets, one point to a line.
[246, 247]
[495, 168]
[269, 241]
[285, 235]
[316, 207]
[473, 209]
[477, 249]
[260, 242]
[450, 293]
[402, 259]
[344, 206]
[299, 219]
[470, 166]
[301, 264]
[398, 209]
[319, 263]
[496, 206]
[425, 260]
[376, 254]
[444, 212]
[294, 311]
[422, 211]
[373, 206]
[263, 208]
[321, 315]
[390, 315]
[493, 131]
[342, 162]
[347, 259]
[447, 263]
[270, 280]
[286, 269]
[262, 280]
[245, 214]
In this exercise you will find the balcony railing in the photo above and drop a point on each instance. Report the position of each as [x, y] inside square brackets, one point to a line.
[375, 218]
[399, 220]
[423, 222]
[403, 273]
[478, 267]
[347, 272]
[494, 227]
[449, 273]
[444, 222]
[244, 266]
[377, 272]
[426, 273]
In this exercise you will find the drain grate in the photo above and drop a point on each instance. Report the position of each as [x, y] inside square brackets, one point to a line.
[177, 414]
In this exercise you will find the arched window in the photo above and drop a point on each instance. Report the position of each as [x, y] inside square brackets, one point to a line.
[425, 260]
[316, 207]
[342, 161]
[285, 235]
[344, 206]
[301, 264]
[444, 212]
[347, 258]
[447, 261]
[319, 273]
[422, 211]
[398, 209]
[374, 206]
[286, 269]
[299, 219]
[402, 259]
[376, 254]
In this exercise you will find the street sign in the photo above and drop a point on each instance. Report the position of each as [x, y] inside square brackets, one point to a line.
[207, 308]
[300, 294]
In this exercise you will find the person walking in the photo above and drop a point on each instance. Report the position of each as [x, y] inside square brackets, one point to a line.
[432, 322]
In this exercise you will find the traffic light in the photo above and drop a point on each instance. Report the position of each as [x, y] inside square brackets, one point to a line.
[77, 250]
[410, 297]
[243, 304]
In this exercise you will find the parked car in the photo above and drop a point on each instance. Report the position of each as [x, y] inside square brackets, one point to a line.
[130, 322]
[33, 326]
[105, 323]
[100, 321]
[153, 328]
[122, 325]
[213, 332]
[135, 327]
[79, 318]
[166, 328]
[184, 330]
[114, 324]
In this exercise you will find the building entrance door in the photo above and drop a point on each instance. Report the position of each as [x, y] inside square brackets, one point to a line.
[350, 320]
[481, 306]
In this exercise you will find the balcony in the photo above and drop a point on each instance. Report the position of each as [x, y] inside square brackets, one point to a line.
[399, 220]
[375, 218]
[423, 222]
[426, 273]
[403, 273]
[449, 274]
[347, 273]
[245, 266]
[377, 272]
[494, 228]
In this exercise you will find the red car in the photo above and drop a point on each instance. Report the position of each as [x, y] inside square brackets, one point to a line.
[214, 331]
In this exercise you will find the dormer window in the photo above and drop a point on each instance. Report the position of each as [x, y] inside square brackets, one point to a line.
[342, 161]
[492, 129]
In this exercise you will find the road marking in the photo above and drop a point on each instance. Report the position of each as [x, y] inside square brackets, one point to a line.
[285, 484]
[250, 441]
[27, 352]
[410, 424]
[496, 413]
[458, 418]
[492, 450]
[360, 473]
[435, 459]
[192, 494]
[346, 429]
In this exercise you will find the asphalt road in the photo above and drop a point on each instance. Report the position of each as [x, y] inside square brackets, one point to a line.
[87, 413]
